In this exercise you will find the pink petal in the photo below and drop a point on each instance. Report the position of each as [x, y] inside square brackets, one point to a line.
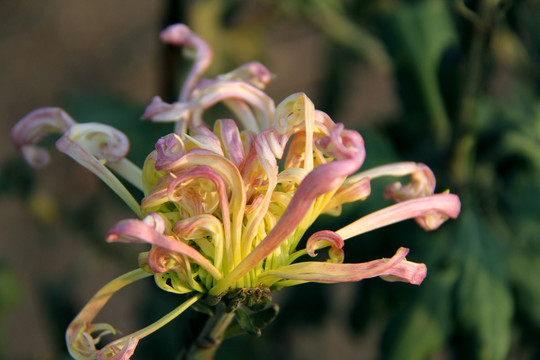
[268, 146]
[159, 111]
[327, 237]
[396, 268]
[233, 148]
[206, 172]
[350, 192]
[170, 149]
[254, 73]
[203, 138]
[137, 231]
[407, 271]
[422, 184]
[161, 260]
[434, 208]
[215, 91]
[101, 141]
[181, 35]
[33, 127]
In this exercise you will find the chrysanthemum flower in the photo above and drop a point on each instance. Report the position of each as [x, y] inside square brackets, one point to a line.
[225, 209]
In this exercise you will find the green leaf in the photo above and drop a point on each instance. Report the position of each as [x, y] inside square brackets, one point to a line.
[10, 295]
[10, 291]
[524, 266]
[333, 20]
[421, 329]
[484, 303]
[424, 30]
[418, 34]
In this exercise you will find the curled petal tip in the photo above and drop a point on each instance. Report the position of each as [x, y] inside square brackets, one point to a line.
[343, 144]
[176, 34]
[200, 51]
[322, 238]
[407, 271]
[38, 123]
[93, 139]
[156, 221]
[422, 184]
[118, 350]
[158, 110]
[81, 341]
[169, 150]
[33, 127]
[260, 75]
[252, 72]
[451, 207]
[293, 111]
[36, 156]
[431, 221]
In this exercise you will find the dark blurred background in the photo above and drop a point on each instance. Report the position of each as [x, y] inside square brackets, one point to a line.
[453, 84]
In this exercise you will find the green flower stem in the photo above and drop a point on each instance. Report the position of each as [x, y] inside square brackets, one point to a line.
[210, 338]
[439, 119]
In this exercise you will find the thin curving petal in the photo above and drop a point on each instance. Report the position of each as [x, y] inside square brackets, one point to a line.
[439, 206]
[395, 267]
[181, 35]
[138, 231]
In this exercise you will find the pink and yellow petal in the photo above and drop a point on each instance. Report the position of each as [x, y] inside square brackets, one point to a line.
[395, 267]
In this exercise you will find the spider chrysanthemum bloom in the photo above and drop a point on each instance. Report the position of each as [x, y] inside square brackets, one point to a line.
[226, 207]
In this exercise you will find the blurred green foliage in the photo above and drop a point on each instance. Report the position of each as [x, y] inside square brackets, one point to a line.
[10, 294]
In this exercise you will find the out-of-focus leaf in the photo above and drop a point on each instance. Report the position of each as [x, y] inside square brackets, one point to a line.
[525, 140]
[424, 29]
[332, 20]
[9, 289]
[484, 303]
[422, 329]
[233, 29]
[522, 198]
[508, 48]
[10, 294]
[419, 33]
[524, 268]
